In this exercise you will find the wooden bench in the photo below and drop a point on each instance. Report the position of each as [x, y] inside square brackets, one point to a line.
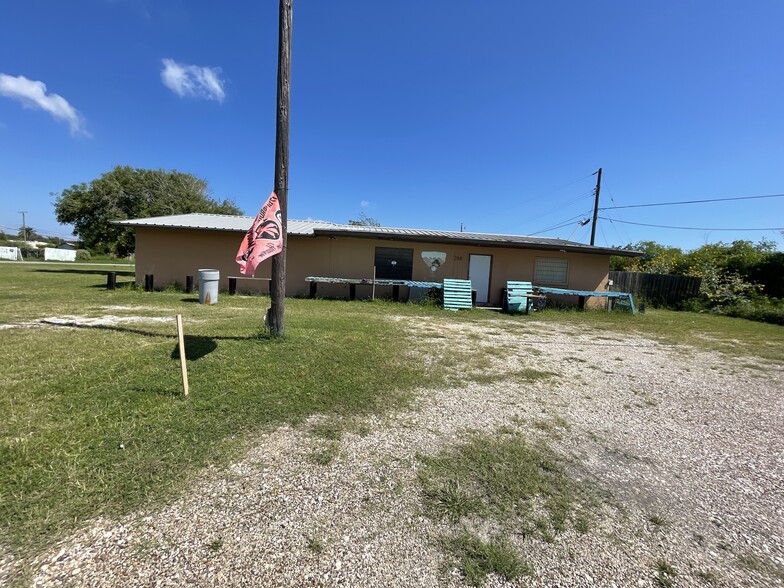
[519, 296]
[626, 297]
[457, 294]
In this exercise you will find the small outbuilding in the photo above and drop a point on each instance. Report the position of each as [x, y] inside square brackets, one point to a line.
[173, 247]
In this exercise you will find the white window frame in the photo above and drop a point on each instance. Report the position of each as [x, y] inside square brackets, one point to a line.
[555, 261]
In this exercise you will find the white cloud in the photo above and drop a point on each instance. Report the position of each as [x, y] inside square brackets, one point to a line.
[33, 94]
[364, 203]
[193, 80]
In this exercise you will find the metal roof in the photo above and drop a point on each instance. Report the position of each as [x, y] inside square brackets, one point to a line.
[222, 222]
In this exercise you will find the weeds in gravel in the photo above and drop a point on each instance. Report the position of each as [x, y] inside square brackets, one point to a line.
[510, 483]
[665, 574]
[324, 454]
[477, 558]
[450, 501]
[501, 476]
[762, 566]
[552, 426]
[732, 337]
[215, 545]
[518, 377]
[315, 544]
[708, 576]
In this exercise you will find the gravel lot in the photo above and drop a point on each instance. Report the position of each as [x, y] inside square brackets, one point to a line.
[687, 445]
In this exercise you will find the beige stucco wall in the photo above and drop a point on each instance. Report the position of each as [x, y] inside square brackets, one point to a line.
[172, 254]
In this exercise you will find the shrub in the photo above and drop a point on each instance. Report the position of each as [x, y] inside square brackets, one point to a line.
[762, 309]
[82, 255]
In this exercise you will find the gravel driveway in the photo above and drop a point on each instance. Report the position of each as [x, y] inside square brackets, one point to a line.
[686, 447]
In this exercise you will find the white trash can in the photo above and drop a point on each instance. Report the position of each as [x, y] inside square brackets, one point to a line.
[208, 286]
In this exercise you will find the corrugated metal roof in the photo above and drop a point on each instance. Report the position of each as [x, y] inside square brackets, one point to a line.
[222, 222]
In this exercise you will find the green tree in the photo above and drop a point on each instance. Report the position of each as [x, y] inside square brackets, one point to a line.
[29, 234]
[364, 221]
[127, 192]
[656, 259]
[770, 272]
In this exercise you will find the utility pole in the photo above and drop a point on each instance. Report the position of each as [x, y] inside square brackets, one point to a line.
[596, 205]
[24, 225]
[278, 282]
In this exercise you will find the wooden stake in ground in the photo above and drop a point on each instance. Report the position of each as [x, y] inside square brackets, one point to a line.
[278, 283]
[181, 338]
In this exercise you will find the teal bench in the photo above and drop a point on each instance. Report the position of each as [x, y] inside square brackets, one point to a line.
[457, 294]
[519, 297]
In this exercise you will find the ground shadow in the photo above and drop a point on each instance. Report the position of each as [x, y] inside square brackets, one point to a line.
[261, 336]
[102, 272]
[119, 286]
[196, 347]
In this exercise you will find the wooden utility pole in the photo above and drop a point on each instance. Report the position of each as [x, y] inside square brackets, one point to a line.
[24, 225]
[278, 283]
[596, 205]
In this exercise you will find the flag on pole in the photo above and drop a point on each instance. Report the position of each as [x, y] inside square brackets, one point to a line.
[264, 238]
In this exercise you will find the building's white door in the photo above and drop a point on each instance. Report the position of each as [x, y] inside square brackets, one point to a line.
[479, 274]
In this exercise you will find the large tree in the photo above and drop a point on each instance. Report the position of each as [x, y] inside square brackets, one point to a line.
[127, 192]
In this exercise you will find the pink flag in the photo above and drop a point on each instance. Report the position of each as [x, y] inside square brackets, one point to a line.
[264, 238]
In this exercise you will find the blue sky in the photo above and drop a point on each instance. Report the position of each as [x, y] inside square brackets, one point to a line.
[419, 113]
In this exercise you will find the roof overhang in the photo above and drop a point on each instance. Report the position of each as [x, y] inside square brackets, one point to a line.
[566, 247]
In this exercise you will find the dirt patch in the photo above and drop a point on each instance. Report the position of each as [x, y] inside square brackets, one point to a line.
[75, 321]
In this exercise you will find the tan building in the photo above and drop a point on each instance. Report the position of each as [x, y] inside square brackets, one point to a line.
[173, 247]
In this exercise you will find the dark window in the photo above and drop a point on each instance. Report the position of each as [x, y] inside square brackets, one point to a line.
[393, 263]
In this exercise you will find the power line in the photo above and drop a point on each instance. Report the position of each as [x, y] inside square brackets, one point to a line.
[692, 201]
[532, 198]
[565, 223]
[689, 228]
[556, 210]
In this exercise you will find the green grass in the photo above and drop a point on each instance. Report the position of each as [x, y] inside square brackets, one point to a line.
[94, 422]
[476, 558]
